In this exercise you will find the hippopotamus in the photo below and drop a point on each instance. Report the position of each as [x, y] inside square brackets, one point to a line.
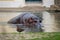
[27, 22]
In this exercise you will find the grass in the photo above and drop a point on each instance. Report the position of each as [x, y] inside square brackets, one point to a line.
[32, 36]
[48, 36]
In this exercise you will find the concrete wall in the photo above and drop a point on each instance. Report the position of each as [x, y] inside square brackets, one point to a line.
[47, 3]
[6, 0]
[21, 3]
[12, 3]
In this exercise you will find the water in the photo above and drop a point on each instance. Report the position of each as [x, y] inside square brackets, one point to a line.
[51, 21]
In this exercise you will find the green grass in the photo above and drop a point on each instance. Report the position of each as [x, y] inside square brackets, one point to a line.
[51, 36]
[35, 36]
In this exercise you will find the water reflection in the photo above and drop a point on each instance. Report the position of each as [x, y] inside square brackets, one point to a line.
[50, 22]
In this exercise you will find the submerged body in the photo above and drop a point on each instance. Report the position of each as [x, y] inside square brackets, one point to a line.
[27, 22]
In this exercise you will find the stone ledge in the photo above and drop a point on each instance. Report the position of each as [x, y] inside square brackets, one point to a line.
[27, 8]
